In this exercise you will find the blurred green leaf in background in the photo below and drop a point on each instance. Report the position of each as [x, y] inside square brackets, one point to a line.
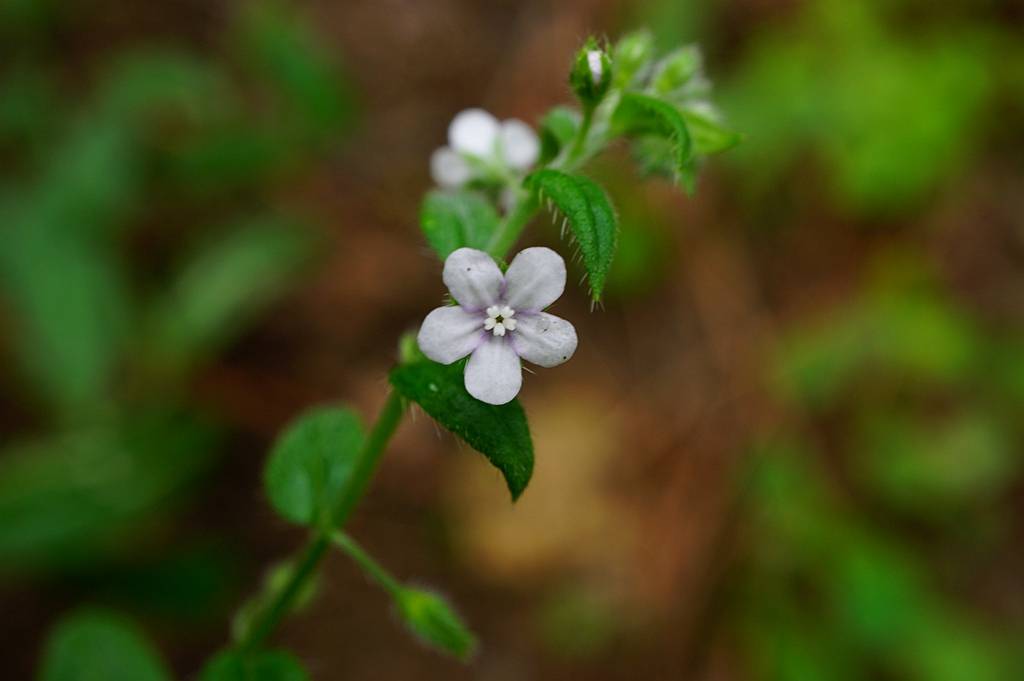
[155, 143]
[890, 113]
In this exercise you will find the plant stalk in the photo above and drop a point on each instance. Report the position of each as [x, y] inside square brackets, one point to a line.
[305, 566]
[365, 561]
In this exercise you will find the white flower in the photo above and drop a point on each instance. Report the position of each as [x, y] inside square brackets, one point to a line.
[596, 68]
[499, 320]
[475, 139]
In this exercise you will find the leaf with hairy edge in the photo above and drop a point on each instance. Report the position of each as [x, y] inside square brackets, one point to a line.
[589, 215]
[262, 665]
[639, 114]
[311, 465]
[91, 645]
[499, 432]
[455, 219]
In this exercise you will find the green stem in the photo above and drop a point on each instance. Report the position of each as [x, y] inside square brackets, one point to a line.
[581, 136]
[305, 566]
[505, 237]
[366, 464]
[268, 619]
[512, 226]
[365, 561]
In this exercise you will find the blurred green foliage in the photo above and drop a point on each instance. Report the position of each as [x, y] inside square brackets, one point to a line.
[891, 113]
[115, 295]
[94, 645]
[877, 505]
[896, 424]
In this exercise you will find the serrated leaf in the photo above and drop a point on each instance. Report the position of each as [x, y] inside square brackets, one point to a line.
[100, 646]
[557, 130]
[639, 114]
[223, 283]
[455, 219]
[499, 432]
[709, 136]
[311, 464]
[435, 623]
[589, 215]
[262, 665]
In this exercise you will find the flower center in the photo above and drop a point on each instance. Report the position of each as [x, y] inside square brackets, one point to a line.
[500, 319]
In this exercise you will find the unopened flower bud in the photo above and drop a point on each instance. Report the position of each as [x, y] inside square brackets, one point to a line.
[591, 74]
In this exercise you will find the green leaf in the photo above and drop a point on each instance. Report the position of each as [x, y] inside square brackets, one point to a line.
[455, 219]
[222, 285]
[639, 114]
[262, 665]
[68, 500]
[936, 467]
[589, 215]
[99, 646]
[312, 463]
[709, 136]
[676, 69]
[230, 156]
[281, 48]
[632, 56]
[79, 294]
[557, 129]
[499, 432]
[434, 622]
[140, 84]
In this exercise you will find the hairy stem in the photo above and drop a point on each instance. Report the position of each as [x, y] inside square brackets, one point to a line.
[512, 226]
[305, 565]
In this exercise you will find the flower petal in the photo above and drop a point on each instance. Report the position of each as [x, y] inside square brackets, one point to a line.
[449, 333]
[473, 278]
[493, 373]
[474, 131]
[448, 169]
[544, 339]
[519, 144]
[535, 279]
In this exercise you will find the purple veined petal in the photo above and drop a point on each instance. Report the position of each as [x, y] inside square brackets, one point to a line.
[448, 168]
[544, 339]
[519, 144]
[535, 279]
[493, 373]
[474, 131]
[449, 334]
[473, 278]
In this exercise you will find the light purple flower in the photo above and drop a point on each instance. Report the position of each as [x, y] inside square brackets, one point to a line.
[499, 320]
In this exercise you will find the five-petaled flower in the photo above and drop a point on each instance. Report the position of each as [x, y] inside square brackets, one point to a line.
[479, 144]
[499, 319]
